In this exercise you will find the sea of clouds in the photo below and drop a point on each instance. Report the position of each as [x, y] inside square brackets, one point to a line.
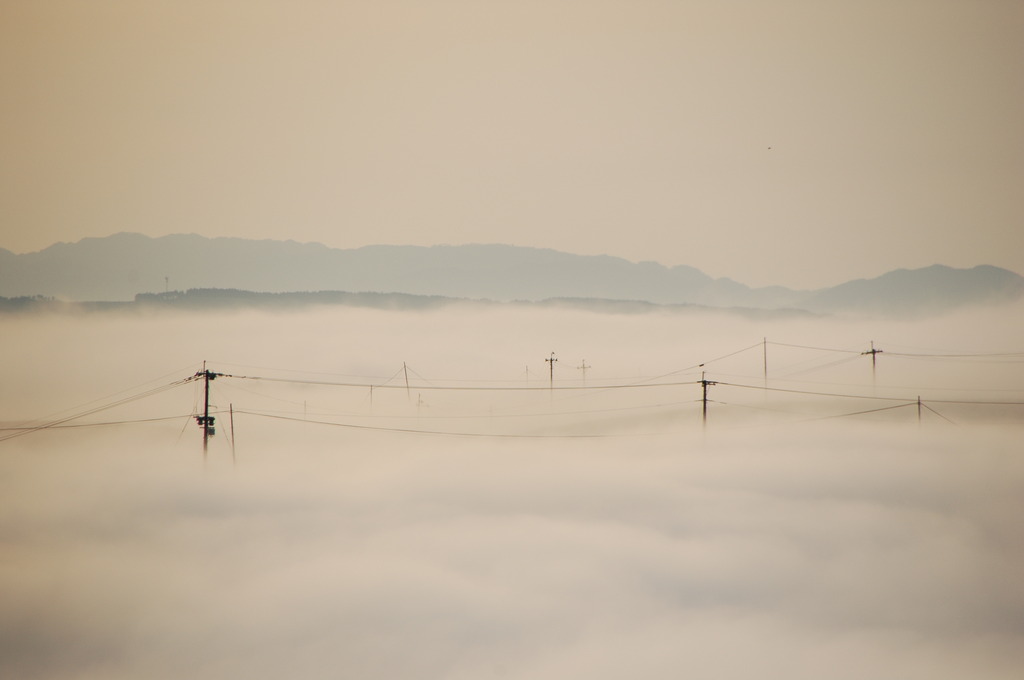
[759, 547]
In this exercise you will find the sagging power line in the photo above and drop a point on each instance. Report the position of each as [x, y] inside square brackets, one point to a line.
[207, 419]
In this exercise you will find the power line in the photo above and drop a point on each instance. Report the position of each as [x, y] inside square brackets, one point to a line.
[847, 384]
[865, 396]
[762, 344]
[937, 413]
[89, 412]
[71, 409]
[1014, 355]
[102, 424]
[501, 435]
[951, 355]
[702, 364]
[861, 413]
[463, 388]
[809, 393]
[819, 367]
[820, 349]
[489, 416]
[62, 421]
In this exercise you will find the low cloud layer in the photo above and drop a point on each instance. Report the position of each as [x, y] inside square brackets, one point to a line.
[835, 552]
[763, 547]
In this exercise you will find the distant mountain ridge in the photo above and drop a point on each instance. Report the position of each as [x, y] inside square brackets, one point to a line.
[120, 266]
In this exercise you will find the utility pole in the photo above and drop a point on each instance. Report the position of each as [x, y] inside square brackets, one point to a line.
[405, 369]
[919, 411]
[764, 346]
[704, 399]
[205, 421]
[551, 369]
[874, 353]
[583, 367]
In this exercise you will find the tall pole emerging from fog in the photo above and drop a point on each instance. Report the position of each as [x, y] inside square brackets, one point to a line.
[704, 399]
[874, 353]
[206, 409]
[551, 370]
[206, 420]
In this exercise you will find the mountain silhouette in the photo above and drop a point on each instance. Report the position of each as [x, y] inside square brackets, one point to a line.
[120, 266]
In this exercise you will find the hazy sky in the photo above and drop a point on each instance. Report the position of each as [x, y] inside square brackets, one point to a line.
[795, 142]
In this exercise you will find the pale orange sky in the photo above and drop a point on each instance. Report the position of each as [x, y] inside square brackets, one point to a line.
[799, 143]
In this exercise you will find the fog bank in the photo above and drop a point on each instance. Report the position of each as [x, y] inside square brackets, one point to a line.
[832, 552]
[769, 544]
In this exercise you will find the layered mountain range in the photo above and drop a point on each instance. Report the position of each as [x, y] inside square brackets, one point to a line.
[121, 266]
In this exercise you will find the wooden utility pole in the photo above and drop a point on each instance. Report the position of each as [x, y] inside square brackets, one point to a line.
[704, 399]
[205, 421]
[583, 367]
[874, 353]
[551, 370]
